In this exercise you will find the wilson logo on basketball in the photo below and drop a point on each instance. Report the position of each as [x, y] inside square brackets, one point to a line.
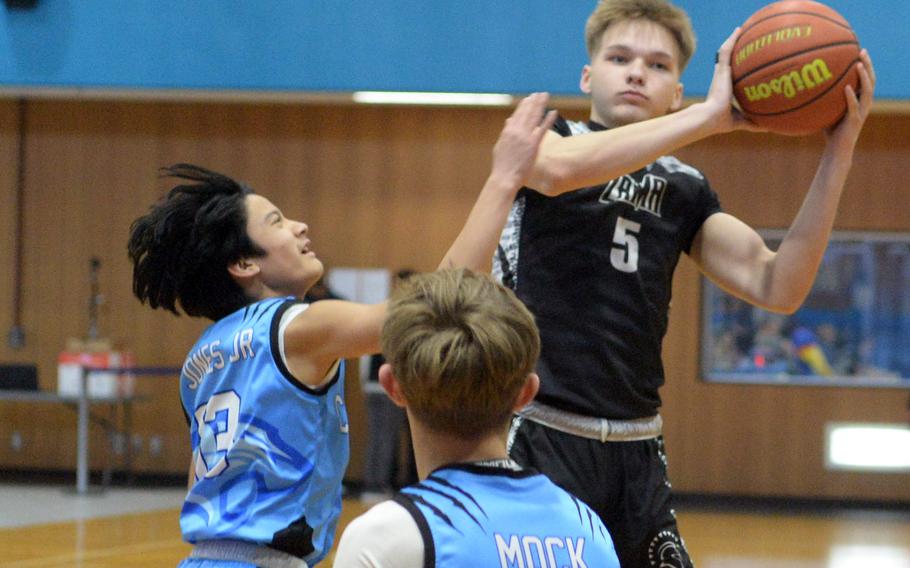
[791, 66]
[810, 76]
[777, 36]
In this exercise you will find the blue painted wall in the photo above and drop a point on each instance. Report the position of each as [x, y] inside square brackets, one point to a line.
[308, 45]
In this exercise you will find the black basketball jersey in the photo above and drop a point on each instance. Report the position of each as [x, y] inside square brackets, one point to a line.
[595, 266]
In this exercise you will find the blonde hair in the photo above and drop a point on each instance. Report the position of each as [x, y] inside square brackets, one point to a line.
[461, 346]
[673, 18]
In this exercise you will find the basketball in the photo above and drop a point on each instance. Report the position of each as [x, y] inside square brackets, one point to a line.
[790, 65]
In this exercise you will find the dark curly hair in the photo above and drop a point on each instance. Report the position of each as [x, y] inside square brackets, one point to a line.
[182, 247]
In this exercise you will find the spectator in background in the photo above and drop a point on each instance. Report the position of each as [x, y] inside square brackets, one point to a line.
[772, 351]
[810, 357]
[726, 354]
[840, 352]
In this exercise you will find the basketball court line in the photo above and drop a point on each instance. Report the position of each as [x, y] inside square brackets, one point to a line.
[78, 558]
[44, 504]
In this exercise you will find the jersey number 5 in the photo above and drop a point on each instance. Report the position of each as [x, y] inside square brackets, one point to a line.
[624, 255]
[216, 423]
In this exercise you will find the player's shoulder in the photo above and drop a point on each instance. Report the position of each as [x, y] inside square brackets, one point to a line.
[673, 165]
[386, 535]
[261, 313]
[378, 516]
[565, 127]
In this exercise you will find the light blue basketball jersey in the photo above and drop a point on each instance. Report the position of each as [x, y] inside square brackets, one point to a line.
[269, 454]
[482, 515]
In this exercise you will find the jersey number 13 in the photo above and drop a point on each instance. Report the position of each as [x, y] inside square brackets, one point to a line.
[216, 422]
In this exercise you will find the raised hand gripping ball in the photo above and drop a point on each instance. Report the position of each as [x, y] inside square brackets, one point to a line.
[790, 65]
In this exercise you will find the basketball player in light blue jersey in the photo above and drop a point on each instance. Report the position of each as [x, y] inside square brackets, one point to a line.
[262, 388]
[461, 351]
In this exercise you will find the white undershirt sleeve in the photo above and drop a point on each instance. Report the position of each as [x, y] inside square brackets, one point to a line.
[286, 318]
[386, 536]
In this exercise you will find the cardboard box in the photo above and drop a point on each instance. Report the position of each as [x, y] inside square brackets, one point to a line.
[100, 384]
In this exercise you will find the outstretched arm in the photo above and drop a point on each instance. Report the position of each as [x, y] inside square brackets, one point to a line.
[333, 329]
[513, 158]
[735, 257]
[569, 163]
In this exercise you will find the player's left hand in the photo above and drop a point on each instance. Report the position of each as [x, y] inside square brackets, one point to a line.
[516, 149]
[847, 130]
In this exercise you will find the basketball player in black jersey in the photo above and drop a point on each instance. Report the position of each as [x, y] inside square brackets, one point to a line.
[591, 246]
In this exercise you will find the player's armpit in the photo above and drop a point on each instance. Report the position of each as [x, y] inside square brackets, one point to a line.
[330, 330]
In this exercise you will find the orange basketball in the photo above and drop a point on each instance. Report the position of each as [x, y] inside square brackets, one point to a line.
[790, 65]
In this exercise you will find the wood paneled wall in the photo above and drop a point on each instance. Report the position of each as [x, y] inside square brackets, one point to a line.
[390, 187]
[769, 440]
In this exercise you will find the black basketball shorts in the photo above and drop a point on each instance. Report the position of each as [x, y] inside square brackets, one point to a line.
[626, 483]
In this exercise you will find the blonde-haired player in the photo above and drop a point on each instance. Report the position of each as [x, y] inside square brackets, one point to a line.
[460, 353]
[592, 245]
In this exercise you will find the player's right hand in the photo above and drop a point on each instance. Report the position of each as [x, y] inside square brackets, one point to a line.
[724, 113]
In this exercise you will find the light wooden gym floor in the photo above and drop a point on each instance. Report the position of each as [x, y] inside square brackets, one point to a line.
[99, 531]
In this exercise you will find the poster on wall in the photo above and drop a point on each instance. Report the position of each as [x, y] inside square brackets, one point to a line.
[852, 330]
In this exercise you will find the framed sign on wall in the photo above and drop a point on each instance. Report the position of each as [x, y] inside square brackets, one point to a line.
[852, 330]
